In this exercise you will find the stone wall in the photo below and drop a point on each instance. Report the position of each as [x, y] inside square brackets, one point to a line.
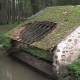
[66, 52]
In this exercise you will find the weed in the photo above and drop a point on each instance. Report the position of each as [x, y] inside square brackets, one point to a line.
[74, 68]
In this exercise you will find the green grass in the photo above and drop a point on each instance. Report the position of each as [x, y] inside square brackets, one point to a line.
[74, 68]
[65, 24]
[5, 42]
[1, 46]
[8, 27]
[39, 53]
[63, 28]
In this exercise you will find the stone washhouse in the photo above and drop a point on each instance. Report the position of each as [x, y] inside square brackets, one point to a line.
[50, 40]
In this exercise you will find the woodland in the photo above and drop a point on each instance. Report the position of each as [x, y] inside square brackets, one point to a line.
[19, 10]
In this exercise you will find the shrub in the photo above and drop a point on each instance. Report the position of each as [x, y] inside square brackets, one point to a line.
[4, 42]
[74, 68]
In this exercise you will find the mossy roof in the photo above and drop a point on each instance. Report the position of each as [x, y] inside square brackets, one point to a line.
[67, 18]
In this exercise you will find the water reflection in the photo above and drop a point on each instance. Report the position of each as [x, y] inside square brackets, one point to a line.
[9, 74]
[12, 70]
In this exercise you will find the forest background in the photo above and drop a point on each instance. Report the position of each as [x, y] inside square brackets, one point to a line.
[12, 11]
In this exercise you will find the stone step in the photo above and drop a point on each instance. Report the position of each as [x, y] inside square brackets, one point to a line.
[34, 63]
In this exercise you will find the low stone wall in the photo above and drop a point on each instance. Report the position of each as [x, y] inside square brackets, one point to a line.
[34, 63]
[66, 52]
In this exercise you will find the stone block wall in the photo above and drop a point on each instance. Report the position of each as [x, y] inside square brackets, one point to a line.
[66, 52]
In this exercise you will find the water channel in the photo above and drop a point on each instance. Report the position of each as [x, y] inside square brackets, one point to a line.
[12, 70]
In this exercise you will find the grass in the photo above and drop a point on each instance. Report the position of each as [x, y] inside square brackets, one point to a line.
[74, 68]
[7, 27]
[63, 28]
[5, 42]
[65, 24]
[39, 53]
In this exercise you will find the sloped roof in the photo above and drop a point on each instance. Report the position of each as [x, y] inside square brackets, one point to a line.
[66, 17]
[36, 31]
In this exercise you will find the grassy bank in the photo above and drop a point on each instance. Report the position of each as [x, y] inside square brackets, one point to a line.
[3, 30]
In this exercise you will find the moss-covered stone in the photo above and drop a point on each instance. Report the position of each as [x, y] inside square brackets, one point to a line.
[67, 18]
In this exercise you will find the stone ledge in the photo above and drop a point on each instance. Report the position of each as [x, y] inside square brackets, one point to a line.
[34, 63]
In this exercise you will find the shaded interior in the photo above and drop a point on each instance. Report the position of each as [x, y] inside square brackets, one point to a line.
[37, 52]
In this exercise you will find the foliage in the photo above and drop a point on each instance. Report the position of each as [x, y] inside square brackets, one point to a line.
[67, 2]
[74, 68]
[38, 13]
[1, 46]
[19, 10]
[5, 42]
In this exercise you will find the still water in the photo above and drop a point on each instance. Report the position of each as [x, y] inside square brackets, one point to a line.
[12, 70]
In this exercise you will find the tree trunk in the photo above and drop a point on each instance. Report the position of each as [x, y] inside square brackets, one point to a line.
[34, 6]
[9, 10]
[13, 11]
[19, 12]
